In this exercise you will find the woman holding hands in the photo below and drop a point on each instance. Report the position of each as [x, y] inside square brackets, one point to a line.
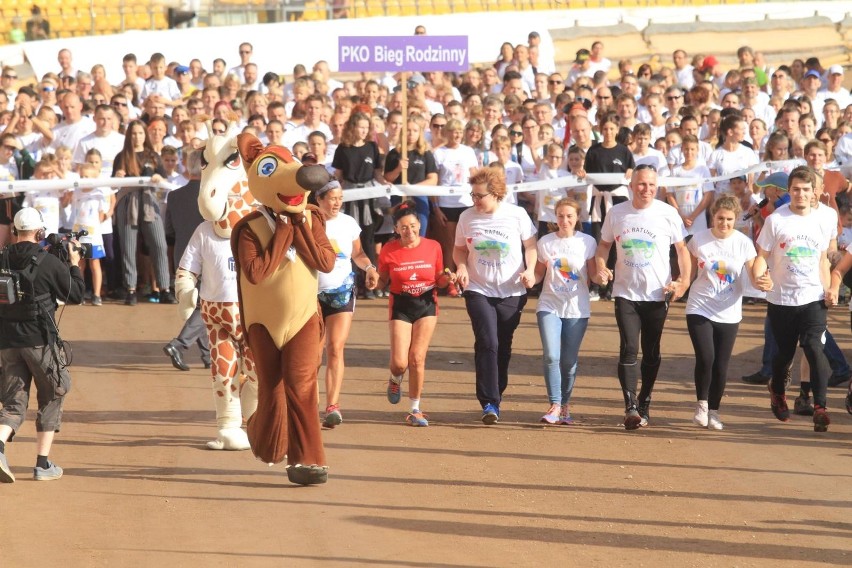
[495, 255]
[414, 268]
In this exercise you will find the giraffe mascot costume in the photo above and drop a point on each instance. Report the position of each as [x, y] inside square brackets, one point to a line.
[223, 200]
[279, 249]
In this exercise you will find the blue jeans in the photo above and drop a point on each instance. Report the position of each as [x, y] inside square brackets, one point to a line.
[560, 339]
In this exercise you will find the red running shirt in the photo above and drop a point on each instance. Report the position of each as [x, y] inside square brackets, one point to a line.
[412, 271]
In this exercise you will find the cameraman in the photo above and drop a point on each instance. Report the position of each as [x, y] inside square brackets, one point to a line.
[30, 349]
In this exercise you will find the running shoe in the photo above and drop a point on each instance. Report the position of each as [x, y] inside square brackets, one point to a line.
[803, 406]
[6, 475]
[821, 419]
[394, 394]
[416, 418]
[644, 410]
[333, 417]
[713, 421]
[756, 379]
[49, 473]
[565, 416]
[490, 414]
[701, 417]
[632, 420]
[552, 416]
[778, 404]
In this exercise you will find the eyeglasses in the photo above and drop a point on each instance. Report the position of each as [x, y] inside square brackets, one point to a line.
[554, 82]
[587, 104]
[673, 97]
[641, 167]
[48, 89]
[825, 140]
[478, 196]
[515, 133]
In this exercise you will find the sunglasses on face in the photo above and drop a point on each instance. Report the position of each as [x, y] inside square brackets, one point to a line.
[516, 133]
[673, 97]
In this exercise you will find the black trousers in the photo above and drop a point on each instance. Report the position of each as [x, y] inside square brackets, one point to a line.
[639, 323]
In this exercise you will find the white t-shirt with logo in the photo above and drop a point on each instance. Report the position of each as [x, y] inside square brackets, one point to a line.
[795, 244]
[642, 238]
[565, 290]
[210, 255]
[495, 250]
[454, 165]
[689, 197]
[88, 206]
[717, 291]
[341, 232]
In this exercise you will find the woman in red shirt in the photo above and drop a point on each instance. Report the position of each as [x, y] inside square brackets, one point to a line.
[414, 268]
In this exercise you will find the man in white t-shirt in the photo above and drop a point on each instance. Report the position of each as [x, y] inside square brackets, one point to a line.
[792, 248]
[105, 139]
[643, 230]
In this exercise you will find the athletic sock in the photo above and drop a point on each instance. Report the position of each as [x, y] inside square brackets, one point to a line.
[415, 405]
[41, 461]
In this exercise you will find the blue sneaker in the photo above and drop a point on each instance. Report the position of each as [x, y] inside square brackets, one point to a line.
[6, 475]
[394, 393]
[490, 414]
[416, 418]
[49, 473]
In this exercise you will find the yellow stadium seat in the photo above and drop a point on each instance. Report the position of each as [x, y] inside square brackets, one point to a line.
[441, 7]
[475, 6]
[392, 8]
[408, 7]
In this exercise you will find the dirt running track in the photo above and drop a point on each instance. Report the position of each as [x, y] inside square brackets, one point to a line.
[141, 490]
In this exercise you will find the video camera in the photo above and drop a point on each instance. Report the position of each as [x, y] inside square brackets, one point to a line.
[59, 244]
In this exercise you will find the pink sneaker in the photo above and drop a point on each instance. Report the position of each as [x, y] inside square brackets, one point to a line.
[552, 416]
[565, 416]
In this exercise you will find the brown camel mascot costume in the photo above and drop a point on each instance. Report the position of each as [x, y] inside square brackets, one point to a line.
[278, 250]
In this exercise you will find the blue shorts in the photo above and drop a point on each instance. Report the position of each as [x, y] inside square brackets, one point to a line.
[98, 252]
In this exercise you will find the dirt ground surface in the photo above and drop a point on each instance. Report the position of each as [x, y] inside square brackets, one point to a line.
[140, 489]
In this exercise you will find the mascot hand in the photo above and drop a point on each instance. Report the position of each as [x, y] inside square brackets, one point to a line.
[186, 292]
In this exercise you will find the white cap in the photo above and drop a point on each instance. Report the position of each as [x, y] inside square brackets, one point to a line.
[835, 70]
[28, 219]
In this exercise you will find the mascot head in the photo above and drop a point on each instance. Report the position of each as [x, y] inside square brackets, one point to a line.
[223, 197]
[276, 178]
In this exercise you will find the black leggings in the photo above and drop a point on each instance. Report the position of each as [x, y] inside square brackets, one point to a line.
[805, 325]
[713, 343]
[637, 320]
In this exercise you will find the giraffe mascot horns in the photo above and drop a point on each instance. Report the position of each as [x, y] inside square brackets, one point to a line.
[278, 251]
[223, 199]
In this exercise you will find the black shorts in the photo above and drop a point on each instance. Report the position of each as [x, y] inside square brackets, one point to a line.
[411, 308]
[330, 311]
[453, 213]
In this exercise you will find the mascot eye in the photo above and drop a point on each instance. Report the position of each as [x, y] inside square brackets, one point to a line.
[233, 161]
[267, 166]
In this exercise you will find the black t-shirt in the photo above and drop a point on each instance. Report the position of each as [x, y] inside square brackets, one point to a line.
[358, 163]
[616, 160]
[419, 165]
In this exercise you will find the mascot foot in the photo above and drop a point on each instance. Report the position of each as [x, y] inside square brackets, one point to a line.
[307, 474]
[230, 439]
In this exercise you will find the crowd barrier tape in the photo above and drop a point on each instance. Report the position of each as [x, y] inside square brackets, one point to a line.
[567, 182]
[371, 192]
[59, 185]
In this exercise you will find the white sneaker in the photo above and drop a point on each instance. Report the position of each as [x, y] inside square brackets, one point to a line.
[700, 417]
[594, 297]
[713, 421]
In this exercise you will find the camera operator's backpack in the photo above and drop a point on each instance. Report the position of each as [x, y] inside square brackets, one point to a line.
[18, 301]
